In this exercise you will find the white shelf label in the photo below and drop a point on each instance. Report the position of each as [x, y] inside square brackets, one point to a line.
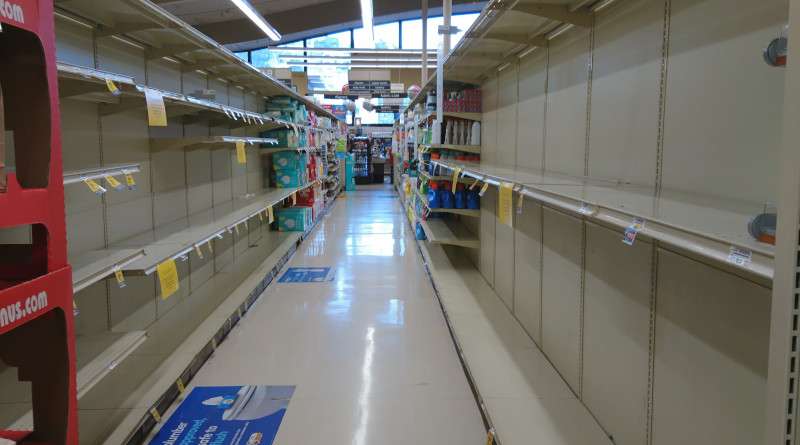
[740, 257]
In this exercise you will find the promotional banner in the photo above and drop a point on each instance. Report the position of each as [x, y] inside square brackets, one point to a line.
[227, 415]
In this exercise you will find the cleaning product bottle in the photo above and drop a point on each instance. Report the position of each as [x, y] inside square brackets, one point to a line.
[432, 170]
[473, 199]
[434, 197]
[448, 199]
[461, 197]
[420, 232]
[476, 133]
[448, 133]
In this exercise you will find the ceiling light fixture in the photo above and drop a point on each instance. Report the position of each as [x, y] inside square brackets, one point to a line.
[366, 17]
[257, 18]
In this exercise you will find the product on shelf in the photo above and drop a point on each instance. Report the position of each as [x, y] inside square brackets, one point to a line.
[473, 199]
[466, 101]
[448, 199]
[460, 197]
[288, 159]
[434, 195]
[294, 219]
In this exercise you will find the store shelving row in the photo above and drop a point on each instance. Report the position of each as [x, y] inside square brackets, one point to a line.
[705, 225]
[452, 114]
[475, 149]
[78, 82]
[165, 36]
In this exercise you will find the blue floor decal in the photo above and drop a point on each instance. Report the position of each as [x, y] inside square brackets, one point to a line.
[223, 415]
[307, 275]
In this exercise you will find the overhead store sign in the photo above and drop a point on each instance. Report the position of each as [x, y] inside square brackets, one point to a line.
[389, 95]
[341, 96]
[394, 109]
[370, 86]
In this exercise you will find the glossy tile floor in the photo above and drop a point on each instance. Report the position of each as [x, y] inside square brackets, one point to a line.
[370, 352]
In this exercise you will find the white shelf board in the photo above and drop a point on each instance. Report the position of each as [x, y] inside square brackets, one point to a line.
[99, 172]
[268, 150]
[476, 149]
[159, 144]
[509, 372]
[455, 234]
[91, 267]
[180, 237]
[452, 114]
[705, 225]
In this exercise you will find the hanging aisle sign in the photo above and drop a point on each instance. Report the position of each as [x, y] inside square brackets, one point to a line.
[359, 86]
[389, 95]
[342, 96]
[380, 86]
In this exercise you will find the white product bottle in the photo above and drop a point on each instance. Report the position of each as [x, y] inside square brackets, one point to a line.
[476, 133]
[448, 133]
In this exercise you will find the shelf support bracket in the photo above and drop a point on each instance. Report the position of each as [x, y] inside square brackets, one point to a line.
[125, 28]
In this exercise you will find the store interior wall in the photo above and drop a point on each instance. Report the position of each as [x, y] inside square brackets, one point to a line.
[661, 347]
[172, 185]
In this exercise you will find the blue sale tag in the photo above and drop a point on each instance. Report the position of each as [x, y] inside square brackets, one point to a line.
[307, 275]
[227, 402]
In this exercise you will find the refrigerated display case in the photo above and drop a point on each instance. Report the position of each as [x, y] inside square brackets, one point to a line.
[363, 160]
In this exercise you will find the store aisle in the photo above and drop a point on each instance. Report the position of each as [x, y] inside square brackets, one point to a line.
[369, 352]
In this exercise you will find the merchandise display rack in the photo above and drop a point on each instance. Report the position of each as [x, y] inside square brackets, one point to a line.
[164, 35]
[707, 226]
[38, 336]
[88, 84]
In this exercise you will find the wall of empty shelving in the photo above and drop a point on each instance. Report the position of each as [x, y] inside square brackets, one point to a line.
[172, 183]
[661, 345]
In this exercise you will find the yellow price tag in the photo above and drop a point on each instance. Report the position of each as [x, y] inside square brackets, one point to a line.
[119, 276]
[505, 210]
[199, 252]
[519, 203]
[155, 414]
[490, 437]
[93, 186]
[168, 278]
[241, 156]
[112, 181]
[181, 388]
[294, 198]
[74, 309]
[113, 88]
[260, 216]
[239, 311]
[474, 184]
[455, 178]
[246, 227]
[210, 249]
[236, 227]
[483, 189]
[214, 343]
[156, 111]
[129, 179]
[270, 214]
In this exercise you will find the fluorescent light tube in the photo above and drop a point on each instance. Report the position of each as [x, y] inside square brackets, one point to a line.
[366, 17]
[253, 15]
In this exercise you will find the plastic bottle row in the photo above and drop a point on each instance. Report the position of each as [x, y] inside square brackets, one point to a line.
[441, 196]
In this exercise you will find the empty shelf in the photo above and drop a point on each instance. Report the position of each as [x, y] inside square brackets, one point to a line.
[465, 148]
[159, 144]
[180, 237]
[96, 356]
[705, 225]
[454, 234]
[91, 267]
[99, 172]
[509, 372]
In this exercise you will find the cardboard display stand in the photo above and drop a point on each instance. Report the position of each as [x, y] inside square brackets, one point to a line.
[36, 314]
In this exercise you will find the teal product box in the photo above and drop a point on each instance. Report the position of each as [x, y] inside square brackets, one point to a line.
[288, 160]
[289, 177]
[294, 219]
